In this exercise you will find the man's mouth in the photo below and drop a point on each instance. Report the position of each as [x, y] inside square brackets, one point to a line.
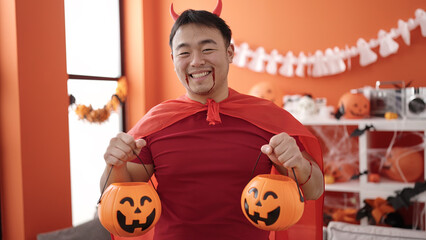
[200, 74]
[199, 77]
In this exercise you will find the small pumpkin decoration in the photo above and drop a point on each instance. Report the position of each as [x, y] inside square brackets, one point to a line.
[268, 91]
[129, 209]
[354, 106]
[403, 162]
[373, 177]
[272, 202]
[341, 171]
[329, 179]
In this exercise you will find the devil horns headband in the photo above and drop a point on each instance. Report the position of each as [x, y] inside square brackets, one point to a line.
[216, 11]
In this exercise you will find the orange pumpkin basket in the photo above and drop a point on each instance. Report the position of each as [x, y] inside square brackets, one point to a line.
[272, 202]
[129, 209]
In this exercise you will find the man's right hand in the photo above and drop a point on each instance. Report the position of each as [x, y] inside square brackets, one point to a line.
[122, 148]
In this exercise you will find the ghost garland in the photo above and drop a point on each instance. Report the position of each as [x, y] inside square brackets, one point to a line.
[331, 62]
[100, 115]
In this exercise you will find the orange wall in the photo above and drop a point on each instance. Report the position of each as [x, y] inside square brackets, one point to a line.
[133, 58]
[10, 132]
[34, 156]
[305, 25]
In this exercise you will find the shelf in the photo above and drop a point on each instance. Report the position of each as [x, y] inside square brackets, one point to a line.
[352, 186]
[361, 187]
[356, 186]
[378, 123]
[329, 122]
[372, 194]
[388, 185]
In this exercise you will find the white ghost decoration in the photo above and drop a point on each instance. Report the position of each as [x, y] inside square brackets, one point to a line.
[273, 59]
[301, 62]
[387, 45]
[257, 63]
[403, 30]
[421, 19]
[334, 62]
[411, 24]
[366, 55]
[319, 68]
[309, 62]
[242, 53]
[347, 54]
[287, 69]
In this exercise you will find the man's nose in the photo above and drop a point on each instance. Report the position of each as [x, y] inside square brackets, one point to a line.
[197, 60]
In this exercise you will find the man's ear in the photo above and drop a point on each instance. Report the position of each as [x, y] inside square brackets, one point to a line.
[171, 55]
[230, 52]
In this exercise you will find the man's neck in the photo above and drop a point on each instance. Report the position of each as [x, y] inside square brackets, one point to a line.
[218, 97]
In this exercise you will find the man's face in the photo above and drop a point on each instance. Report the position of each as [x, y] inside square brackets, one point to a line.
[202, 61]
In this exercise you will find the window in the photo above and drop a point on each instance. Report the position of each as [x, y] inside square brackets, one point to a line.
[93, 38]
[93, 66]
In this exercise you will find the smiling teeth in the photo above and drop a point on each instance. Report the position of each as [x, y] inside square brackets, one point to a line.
[198, 75]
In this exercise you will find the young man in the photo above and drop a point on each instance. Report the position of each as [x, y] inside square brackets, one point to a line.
[203, 146]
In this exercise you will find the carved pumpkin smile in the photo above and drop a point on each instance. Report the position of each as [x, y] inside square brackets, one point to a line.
[357, 114]
[271, 219]
[135, 224]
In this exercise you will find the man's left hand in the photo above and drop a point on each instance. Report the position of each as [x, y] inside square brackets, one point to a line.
[283, 151]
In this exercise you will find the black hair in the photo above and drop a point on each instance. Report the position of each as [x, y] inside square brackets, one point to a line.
[203, 18]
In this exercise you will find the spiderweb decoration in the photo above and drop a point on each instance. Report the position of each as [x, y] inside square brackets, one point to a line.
[397, 153]
[340, 151]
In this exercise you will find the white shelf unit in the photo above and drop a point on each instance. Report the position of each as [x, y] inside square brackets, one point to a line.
[385, 188]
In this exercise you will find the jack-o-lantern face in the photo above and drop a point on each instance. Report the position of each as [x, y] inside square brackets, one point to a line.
[354, 105]
[128, 205]
[129, 209]
[272, 216]
[272, 202]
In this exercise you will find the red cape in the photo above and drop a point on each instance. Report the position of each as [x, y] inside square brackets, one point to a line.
[261, 113]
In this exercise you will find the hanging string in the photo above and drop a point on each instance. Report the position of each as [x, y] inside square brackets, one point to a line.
[298, 187]
[109, 173]
[103, 189]
[255, 165]
[146, 170]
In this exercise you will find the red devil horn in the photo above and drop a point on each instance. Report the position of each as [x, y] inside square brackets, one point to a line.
[175, 16]
[216, 11]
[218, 8]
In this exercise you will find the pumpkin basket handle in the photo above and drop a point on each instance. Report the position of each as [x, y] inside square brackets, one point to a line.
[298, 187]
[297, 183]
[109, 173]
